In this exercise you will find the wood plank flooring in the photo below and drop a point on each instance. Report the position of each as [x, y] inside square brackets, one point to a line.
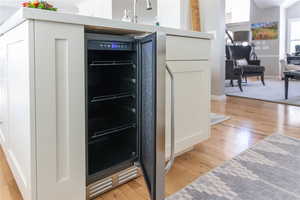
[251, 121]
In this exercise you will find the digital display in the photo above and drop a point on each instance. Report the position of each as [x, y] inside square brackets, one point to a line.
[109, 45]
[115, 46]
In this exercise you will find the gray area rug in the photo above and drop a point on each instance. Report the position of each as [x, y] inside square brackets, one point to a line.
[273, 91]
[267, 171]
[217, 118]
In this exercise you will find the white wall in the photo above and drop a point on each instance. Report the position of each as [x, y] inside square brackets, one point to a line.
[100, 8]
[213, 20]
[145, 16]
[293, 11]
[237, 10]
[185, 19]
[282, 33]
[169, 13]
[174, 14]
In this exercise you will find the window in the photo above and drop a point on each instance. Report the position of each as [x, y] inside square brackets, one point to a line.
[294, 35]
[237, 11]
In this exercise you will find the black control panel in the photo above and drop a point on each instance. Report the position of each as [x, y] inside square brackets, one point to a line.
[109, 45]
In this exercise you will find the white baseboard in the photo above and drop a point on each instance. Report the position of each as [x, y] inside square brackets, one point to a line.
[218, 97]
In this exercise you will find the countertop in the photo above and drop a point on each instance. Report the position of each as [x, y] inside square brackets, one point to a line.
[92, 23]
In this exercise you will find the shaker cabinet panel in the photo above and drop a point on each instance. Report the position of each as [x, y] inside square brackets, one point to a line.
[192, 104]
[60, 92]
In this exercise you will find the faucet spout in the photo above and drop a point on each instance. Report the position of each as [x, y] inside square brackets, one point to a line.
[135, 17]
[149, 4]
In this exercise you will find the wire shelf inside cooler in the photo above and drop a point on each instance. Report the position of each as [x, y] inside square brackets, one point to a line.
[110, 116]
[122, 95]
[111, 63]
[106, 82]
[105, 126]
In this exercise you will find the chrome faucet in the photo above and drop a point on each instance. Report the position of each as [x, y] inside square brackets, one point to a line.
[135, 17]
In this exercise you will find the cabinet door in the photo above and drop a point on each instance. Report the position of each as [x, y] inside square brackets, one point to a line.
[192, 104]
[152, 115]
[60, 111]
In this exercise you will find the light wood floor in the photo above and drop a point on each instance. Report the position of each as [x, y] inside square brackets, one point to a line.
[250, 122]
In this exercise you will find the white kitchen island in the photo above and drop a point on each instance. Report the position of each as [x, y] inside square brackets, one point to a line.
[42, 90]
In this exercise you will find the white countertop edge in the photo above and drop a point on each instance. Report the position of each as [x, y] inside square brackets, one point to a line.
[11, 22]
[36, 14]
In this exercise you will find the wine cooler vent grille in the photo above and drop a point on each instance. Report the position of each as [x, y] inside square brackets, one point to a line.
[104, 185]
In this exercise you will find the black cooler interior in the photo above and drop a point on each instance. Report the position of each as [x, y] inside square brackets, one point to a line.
[111, 150]
[112, 110]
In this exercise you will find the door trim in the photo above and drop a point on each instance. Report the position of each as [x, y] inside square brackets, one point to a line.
[160, 115]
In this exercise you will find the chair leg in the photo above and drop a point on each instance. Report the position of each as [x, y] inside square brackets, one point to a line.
[246, 80]
[231, 83]
[240, 84]
[263, 79]
[286, 87]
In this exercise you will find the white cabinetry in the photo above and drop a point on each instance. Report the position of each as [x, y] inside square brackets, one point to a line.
[17, 128]
[187, 48]
[3, 99]
[60, 110]
[188, 59]
[42, 128]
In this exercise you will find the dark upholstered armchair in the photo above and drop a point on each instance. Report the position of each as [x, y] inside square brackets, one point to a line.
[252, 68]
[233, 73]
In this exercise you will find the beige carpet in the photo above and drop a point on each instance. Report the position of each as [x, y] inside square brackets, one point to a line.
[273, 91]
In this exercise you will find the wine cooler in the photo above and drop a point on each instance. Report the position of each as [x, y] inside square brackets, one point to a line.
[125, 79]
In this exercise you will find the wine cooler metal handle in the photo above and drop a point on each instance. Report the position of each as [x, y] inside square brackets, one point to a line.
[172, 156]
